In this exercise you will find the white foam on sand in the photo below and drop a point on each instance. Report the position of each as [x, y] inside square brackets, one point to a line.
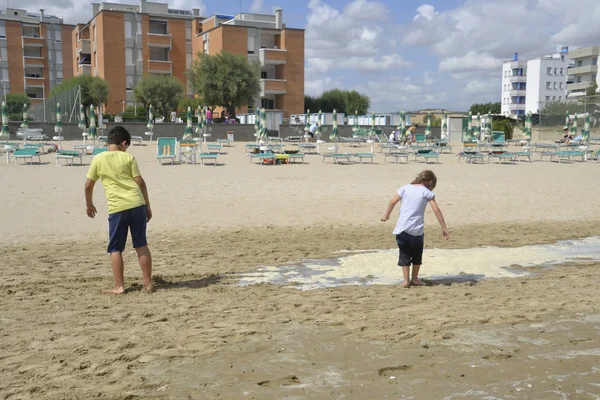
[380, 267]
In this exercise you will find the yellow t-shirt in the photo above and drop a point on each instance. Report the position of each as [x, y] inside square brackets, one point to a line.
[117, 169]
[408, 132]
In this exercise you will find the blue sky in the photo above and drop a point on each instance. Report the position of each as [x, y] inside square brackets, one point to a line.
[407, 54]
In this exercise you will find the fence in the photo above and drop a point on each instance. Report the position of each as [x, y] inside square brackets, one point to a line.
[550, 126]
[46, 111]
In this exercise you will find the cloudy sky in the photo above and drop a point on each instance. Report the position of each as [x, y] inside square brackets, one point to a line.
[406, 54]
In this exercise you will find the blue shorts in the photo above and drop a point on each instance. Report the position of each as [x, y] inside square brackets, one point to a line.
[120, 222]
[411, 249]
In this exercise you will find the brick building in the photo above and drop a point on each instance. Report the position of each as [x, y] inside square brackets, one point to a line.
[35, 53]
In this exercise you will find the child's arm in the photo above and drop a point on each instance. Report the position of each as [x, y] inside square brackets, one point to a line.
[89, 198]
[142, 184]
[390, 207]
[440, 218]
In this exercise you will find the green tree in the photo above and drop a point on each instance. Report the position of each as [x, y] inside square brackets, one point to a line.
[161, 91]
[356, 102]
[591, 99]
[187, 102]
[436, 121]
[225, 79]
[484, 108]
[311, 103]
[505, 126]
[14, 105]
[333, 99]
[94, 90]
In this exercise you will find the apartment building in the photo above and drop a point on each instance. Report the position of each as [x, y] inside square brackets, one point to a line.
[122, 43]
[584, 70]
[528, 85]
[266, 40]
[35, 53]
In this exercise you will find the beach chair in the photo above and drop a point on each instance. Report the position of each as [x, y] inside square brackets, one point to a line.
[263, 158]
[68, 156]
[567, 155]
[498, 137]
[224, 142]
[31, 134]
[442, 146]
[472, 156]
[389, 146]
[501, 156]
[396, 155]
[360, 156]
[337, 157]
[214, 148]
[420, 138]
[166, 149]
[138, 139]
[522, 154]
[308, 147]
[98, 150]
[208, 156]
[296, 156]
[27, 154]
[595, 156]
[427, 154]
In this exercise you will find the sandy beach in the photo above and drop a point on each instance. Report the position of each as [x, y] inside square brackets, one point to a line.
[202, 336]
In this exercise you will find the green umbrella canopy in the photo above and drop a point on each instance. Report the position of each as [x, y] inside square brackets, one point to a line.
[189, 128]
[318, 132]
[199, 125]
[528, 127]
[5, 131]
[574, 126]
[428, 125]
[586, 128]
[567, 121]
[81, 124]
[263, 123]
[58, 126]
[307, 125]
[92, 131]
[445, 123]
[150, 124]
[257, 121]
[25, 122]
[334, 131]
[355, 127]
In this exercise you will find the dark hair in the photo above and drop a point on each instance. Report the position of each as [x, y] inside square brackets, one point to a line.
[118, 135]
[426, 178]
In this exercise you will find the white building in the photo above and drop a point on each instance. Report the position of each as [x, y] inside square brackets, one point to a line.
[583, 71]
[528, 85]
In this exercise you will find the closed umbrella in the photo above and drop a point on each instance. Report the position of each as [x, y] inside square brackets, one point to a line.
[5, 132]
[444, 133]
[257, 123]
[58, 128]
[585, 137]
[468, 133]
[478, 127]
[355, 128]
[263, 123]
[307, 125]
[188, 132]
[25, 122]
[333, 136]
[574, 126]
[428, 125]
[527, 131]
[200, 123]
[567, 121]
[92, 133]
[150, 124]
[318, 132]
[81, 123]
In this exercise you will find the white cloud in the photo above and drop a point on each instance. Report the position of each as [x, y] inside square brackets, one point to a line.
[425, 11]
[256, 6]
[471, 61]
[428, 78]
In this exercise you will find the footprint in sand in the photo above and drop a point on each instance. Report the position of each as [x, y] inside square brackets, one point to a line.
[285, 381]
[390, 370]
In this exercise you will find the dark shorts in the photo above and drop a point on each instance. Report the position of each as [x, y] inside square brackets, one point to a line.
[119, 223]
[411, 249]
[312, 135]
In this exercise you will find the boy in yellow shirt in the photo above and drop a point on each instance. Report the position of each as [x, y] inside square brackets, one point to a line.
[128, 205]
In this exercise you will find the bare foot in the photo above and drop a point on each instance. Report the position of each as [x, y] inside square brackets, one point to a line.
[418, 282]
[149, 289]
[406, 284]
[117, 290]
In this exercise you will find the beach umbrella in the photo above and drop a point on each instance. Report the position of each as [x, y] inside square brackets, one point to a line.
[574, 126]
[150, 124]
[528, 127]
[5, 132]
[355, 127]
[469, 131]
[567, 121]
[200, 123]
[263, 123]
[81, 124]
[189, 128]
[92, 133]
[307, 125]
[445, 127]
[257, 123]
[586, 129]
[318, 132]
[58, 128]
[428, 125]
[478, 127]
[25, 122]
[333, 136]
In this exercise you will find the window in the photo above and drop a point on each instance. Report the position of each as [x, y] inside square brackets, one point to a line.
[578, 79]
[129, 79]
[267, 104]
[139, 27]
[51, 75]
[554, 85]
[128, 29]
[5, 74]
[548, 85]
[2, 31]
[59, 74]
[263, 74]
[595, 61]
[561, 85]
[57, 35]
[555, 70]
[58, 56]
[158, 28]
[49, 55]
[188, 60]
[251, 44]
[128, 56]
[31, 31]
[33, 73]
[3, 54]
[139, 55]
[547, 98]
[188, 33]
[561, 71]
[549, 70]
[157, 54]
[579, 63]
[206, 47]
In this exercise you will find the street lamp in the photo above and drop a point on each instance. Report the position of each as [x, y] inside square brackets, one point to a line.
[4, 82]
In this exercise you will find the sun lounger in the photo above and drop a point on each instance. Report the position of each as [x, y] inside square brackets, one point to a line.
[38, 146]
[296, 156]
[138, 139]
[27, 154]
[165, 149]
[501, 156]
[595, 156]
[337, 157]
[522, 154]
[224, 142]
[208, 156]
[567, 155]
[443, 146]
[32, 134]
[472, 157]
[214, 148]
[263, 158]
[69, 156]
[389, 146]
[427, 154]
[308, 147]
[396, 156]
[293, 139]
[360, 156]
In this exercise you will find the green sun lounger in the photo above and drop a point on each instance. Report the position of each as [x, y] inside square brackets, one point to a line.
[27, 154]
[69, 156]
[166, 149]
[360, 156]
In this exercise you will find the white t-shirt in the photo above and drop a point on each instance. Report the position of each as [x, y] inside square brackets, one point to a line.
[412, 209]
[313, 128]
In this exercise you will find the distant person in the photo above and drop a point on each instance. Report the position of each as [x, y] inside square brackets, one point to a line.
[312, 131]
[209, 119]
[128, 205]
[173, 116]
[409, 228]
[409, 135]
[393, 138]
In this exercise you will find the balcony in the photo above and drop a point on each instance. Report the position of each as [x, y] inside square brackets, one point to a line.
[577, 86]
[587, 69]
[35, 62]
[85, 69]
[584, 52]
[35, 82]
[515, 106]
[159, 67]
[518, 78]
[518, 92]
[272, 86]
[33, 41]
[84, 46]
[161, 41]
[272, 57]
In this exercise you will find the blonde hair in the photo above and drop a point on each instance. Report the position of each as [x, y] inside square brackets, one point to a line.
[426, 178]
